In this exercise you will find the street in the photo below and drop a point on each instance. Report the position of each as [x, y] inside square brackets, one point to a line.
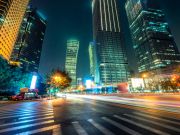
[90, 115]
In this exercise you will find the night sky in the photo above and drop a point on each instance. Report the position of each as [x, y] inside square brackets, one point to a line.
[69, 19]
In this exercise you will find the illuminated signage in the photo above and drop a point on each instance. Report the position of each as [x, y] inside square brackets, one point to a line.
[33, 82]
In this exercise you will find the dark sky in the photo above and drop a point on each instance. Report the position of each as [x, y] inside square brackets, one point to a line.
[72, 19]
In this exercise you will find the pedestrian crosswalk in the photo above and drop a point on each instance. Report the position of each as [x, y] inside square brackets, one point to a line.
[27, 118]
[40, 120]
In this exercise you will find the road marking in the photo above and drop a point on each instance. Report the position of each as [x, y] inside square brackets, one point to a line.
[79, 128]
[153, 122]
[57, 131]
[29, 114]
[122, 127]
[101, 128]
[26, 126]
[41, 130]
[153, 117]
[48, 114]
[26, 121]
[142, 126]
[22, 112]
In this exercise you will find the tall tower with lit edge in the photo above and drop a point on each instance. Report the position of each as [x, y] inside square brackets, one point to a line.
[111, 57]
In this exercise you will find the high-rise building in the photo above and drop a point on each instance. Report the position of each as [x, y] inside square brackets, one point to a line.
[92, 59]
[28, 46]
[111, 57]
[71, 59]
[11, 16]
[79, 81]
[153, 41]
[4, 7]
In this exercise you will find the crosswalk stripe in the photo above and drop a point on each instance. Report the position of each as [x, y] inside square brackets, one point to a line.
[57, 131]
[142, 126]
[25, 126]
[27, 117]
[26, 110]
[153, 117]
[122, 127]
[26, 121]
[101, 128]
[10, 116]
[41, 130]
[153, 122]
[79, 128]
[17, 113]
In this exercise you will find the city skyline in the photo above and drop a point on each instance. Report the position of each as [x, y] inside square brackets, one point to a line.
[96, 67]
[59, 41]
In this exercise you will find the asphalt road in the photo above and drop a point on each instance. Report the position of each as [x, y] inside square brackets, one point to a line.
[86, 116]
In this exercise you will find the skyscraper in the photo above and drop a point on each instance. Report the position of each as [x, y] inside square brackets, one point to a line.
[153, 41]
[28, 46]
[71, 59]
[11, 16]
[4, 7]
[92, 59]
[111, 57]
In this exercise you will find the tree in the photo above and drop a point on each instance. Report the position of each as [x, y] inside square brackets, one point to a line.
[58, 79]
[12, 77]
[5, 75]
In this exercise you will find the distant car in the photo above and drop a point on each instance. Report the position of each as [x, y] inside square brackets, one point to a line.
[25, 96]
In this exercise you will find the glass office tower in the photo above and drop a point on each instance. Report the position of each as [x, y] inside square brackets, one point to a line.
[153, 41]
[111, 56]
[71, 60]
[28, 46]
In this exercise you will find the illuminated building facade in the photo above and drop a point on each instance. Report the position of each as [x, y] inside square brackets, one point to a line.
[11, 16]
[71, 59]
[4, 7]
[28, 46]
[79, 81]
[111, 58]
[153, 41]
[92, 59]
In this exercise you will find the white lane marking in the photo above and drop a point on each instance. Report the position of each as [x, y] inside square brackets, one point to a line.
[122, 127]
[153, 117]
[57, 131]
[79, 128]
[26, 126]
[26, 109]
[29, 114]
[48, 114]
[41, 130]
[142, 126]
[22, 112]
[101, 128]
[26, 121]
[153, 122]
